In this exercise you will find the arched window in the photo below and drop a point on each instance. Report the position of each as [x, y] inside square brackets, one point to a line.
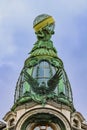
[43, 72]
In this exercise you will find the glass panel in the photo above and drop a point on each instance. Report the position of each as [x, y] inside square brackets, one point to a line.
[41, 72]
[45, 127]
[46, 64]
[49, 128]
[21, 90]
[34, 74]
[19, 80]
[61, 87]
[53, 70]
[26, 87]
[70, 94]
[22, 77]
[29, 71]
[42, 64]
[47, 72]
[67, 91]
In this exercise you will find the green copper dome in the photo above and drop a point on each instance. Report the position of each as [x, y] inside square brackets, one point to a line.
[43, 76]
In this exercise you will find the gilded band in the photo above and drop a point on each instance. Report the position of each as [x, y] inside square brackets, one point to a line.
[42, 24]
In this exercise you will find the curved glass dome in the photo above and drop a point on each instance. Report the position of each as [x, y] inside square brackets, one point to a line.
[43, 79]
[39, 75]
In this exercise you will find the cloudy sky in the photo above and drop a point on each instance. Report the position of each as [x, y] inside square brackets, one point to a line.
[17, 38]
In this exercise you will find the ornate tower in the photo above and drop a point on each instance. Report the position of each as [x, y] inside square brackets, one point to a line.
[43, 97]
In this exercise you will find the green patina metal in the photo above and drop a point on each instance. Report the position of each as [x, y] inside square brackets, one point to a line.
[54, 83]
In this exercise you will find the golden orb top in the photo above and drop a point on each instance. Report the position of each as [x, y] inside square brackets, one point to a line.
[42, 21]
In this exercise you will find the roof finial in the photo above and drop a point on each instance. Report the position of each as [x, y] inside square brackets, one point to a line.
[44, 26]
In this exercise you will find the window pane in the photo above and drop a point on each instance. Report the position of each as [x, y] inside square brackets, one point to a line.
[46, 64]
[43, 127]
[41, 64]
[53, 70]
[41, 72]
[47, 72]
[34, 74]
[26, 87]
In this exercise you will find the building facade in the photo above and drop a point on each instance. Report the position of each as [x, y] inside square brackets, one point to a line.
[43, 96]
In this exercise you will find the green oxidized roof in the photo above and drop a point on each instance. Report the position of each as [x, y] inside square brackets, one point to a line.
[43, 76]
[43, 50]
